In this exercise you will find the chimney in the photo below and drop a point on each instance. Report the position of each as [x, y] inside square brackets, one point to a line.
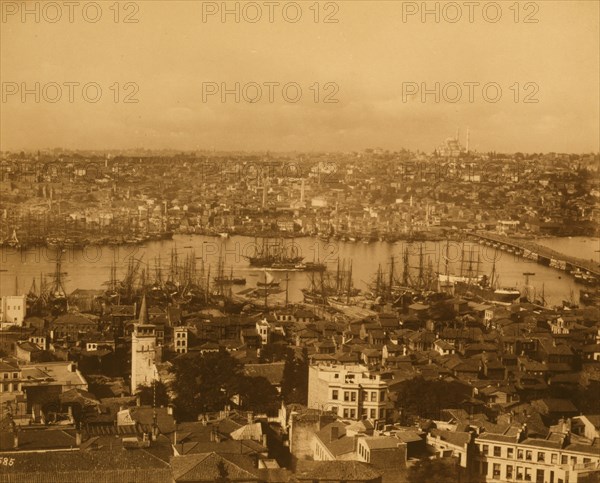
[335, 431]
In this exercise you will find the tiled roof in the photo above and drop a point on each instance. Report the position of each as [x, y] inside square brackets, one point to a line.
[272, 372]
[6, 367]
[340, 445]
[335, 471]
[145, 417]
[136, 466]
[453, 437]
[381, 442]
[204, 467]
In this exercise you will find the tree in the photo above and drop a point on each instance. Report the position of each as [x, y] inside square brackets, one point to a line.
[204, 382]
[155, 393]
[438, 470]
[223, 473]
[287, 382]
[422, 398]
[273, 352]
[257, 394]
[294, 387]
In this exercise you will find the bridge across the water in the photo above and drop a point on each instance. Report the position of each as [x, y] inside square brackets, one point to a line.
[543, 255]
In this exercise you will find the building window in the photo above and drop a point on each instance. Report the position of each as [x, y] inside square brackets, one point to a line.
[496, 470]
[334, 409]
[352, 413]
[345, 412]
[554, 458]
[382, 394]
[527, 474]
[541, 456]
[528, 455]
[564, 460]
[519, 472]
[539, 476]
[374, 396]
[334, 394]
[346, 396]
[519, 454]
[373, 414]
[510, 453]
[509, 472]
[353, 396]
[497, 451]
[485, 449]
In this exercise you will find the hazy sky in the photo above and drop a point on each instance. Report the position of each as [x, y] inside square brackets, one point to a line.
[368, 54]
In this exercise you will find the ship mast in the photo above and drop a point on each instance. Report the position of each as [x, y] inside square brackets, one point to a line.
[391, 278]
[405, 268]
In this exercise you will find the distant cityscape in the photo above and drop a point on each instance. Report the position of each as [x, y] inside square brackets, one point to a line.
[187, 369]
[73, 199]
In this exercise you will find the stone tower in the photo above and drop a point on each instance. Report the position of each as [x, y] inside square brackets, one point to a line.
[143, 351]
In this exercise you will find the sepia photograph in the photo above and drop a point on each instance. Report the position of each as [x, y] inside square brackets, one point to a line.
[311, 241]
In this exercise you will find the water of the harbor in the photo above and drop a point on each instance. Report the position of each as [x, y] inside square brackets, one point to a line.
[90, 268]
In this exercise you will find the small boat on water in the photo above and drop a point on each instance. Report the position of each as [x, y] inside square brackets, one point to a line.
[269, 281]
[230, 280]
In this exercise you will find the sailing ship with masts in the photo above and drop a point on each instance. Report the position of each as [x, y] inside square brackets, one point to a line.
[278, 256]
[335, 289]
[471, 284]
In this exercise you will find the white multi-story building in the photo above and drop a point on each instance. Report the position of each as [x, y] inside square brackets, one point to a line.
[180, 339]
[13, 309]
[349, 390]
[263, 329]
[559, 458]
